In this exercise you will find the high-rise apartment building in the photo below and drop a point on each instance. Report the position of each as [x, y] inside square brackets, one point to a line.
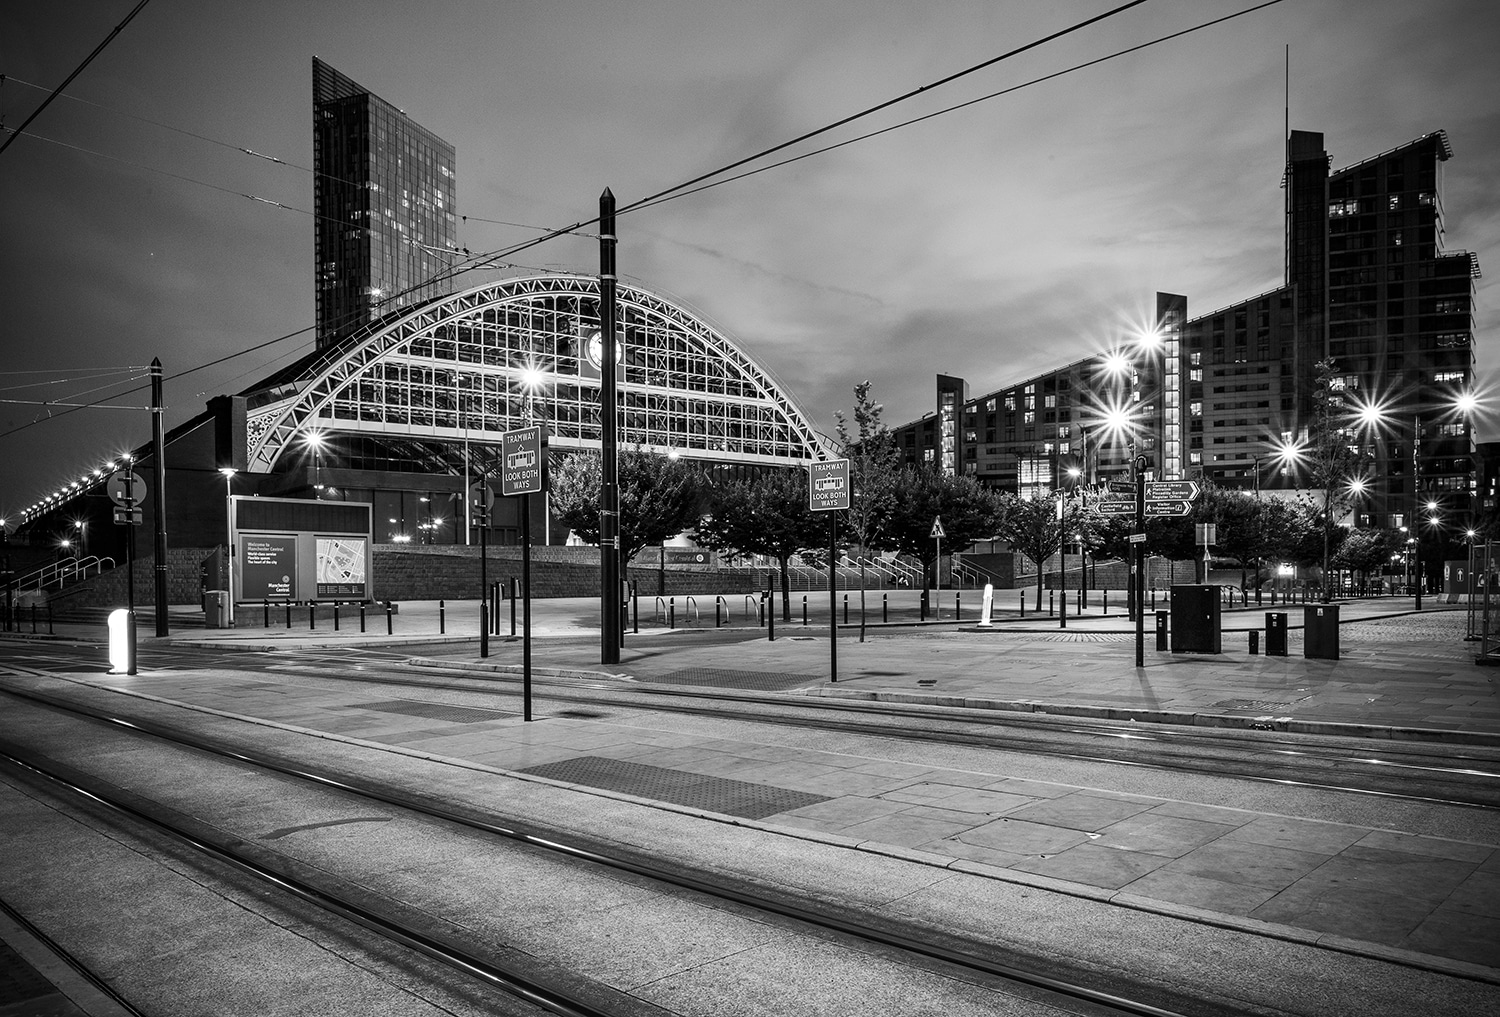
[383, 203]
[1369, 287]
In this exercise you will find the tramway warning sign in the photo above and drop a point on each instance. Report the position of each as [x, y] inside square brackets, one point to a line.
[522, 458]
[828, 485]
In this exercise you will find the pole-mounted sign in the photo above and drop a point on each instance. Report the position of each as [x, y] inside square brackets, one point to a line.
[828, 485]
[828, 490]
[523, 459]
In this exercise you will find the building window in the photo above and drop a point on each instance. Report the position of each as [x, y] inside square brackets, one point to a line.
[1028, 418]
[1395, 202]
[1445, 376]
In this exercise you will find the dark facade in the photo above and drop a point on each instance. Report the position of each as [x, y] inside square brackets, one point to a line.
[1221, 396]
[383, 203]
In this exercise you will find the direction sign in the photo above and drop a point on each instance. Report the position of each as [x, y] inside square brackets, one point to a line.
[828, 485]
[1116, 508]
[523, 455]
[1172, 490]
[117, 484]
[1168, 509]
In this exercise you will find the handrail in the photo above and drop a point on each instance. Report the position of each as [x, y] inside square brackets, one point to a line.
[60, 572]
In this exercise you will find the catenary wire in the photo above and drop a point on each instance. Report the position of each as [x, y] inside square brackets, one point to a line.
[76, 71]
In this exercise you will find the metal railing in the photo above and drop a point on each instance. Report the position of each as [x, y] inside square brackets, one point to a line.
[63, 572]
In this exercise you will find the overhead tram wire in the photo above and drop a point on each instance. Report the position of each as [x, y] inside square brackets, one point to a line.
[490, 259]
[650, 202]
[77, 71]
[652, 198]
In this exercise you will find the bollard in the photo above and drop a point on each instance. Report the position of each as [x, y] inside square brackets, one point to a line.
[1153, 598]
[390, 625]
[312, 616]
[1254, 642]
[958, 606]
[289, 616]
[514, 591]
[885, 607]
[1105, 609]
[361, 616]
[804, 610]
[718, 614]
[770, 626]
[49, 618]
[266, 614]
[846, 609]
[33, 619]
[1023, 605]
[442, 618]
[672, 613]
[335, 616]
[1051, 603]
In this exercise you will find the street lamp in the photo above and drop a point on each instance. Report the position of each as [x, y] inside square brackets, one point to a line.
[229, 472]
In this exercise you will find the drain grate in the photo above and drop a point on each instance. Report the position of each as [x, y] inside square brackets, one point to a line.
[727, 678]
[694, 790]
[434, 711]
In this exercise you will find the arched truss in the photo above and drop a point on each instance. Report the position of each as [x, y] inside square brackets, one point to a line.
[466, 367]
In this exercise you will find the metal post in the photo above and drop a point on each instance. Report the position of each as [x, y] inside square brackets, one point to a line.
[484, 560]
[289, 615]
[335, 616]
[833, 621]
[361, 616]
[526, 628]
[514, 596]
[442, 618]
[885, 607]
[265, 621]
[159, 510]
[609, 490]
[1140, 562]
[390, 624]
[312, 617]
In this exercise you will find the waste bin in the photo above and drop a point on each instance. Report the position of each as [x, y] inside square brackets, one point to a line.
[1196, 612]
[1320, 631]
[1161, 629]
[215, 609]
[1275, 633]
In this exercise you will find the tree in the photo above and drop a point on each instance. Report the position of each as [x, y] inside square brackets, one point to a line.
[902, 516]
[767, 515]
[1035, 528]
[874, 460]
[659, 496]
[1365, 551]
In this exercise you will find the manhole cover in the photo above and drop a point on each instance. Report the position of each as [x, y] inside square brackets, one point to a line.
[726, 678]
[680, 787]
[434, 711]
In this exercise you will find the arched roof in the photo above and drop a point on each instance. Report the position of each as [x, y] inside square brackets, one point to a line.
[469, 366]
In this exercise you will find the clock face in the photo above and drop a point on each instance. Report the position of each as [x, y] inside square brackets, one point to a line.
[595, 351]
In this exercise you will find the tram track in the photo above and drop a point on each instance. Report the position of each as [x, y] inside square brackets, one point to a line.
[947, 953]
[1391, 774]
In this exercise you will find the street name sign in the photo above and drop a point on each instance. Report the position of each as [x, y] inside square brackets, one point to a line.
[1172, 490]
[828, 485]
[522, 458]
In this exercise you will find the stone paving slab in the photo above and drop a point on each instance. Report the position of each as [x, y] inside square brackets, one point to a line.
[1425, 895]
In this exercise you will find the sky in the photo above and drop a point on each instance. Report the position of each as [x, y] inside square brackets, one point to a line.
[992, 243]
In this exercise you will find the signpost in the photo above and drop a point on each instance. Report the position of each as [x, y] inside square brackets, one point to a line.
[828, 491]
[127, 490]
[523, 460]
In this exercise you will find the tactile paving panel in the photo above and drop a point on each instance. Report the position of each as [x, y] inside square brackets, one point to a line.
[1256, 704]
[728, 678]
[434, 711]
[694, 790]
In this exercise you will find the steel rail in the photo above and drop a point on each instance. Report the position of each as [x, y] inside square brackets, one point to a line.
[66, 956]
[983, 739]
[756, 899]
[495, 976]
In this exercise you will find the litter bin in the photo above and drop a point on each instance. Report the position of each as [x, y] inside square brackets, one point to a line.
[215, 609]
[1196, 614]
[1161, 629]
[1275, 633]
[1320, 630]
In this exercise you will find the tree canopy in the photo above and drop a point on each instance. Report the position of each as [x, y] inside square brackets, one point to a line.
[659, 496]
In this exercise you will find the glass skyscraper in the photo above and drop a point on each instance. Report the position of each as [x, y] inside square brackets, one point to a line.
[383, 201]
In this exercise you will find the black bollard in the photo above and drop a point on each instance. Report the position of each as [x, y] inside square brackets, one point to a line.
[335, 616]
[442, 618]
[312, 616]
[361, 616]
[390, 625]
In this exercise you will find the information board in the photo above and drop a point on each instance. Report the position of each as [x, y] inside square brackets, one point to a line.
[523, 454]
[341, 566]
[828, 485]
[267, 567]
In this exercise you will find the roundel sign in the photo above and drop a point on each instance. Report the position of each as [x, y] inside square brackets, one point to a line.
[126, 488]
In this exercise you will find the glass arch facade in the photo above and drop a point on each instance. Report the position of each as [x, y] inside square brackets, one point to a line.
[464, 368]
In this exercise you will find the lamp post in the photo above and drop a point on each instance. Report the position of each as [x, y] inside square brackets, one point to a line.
[1416, 496]
[229, 472]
